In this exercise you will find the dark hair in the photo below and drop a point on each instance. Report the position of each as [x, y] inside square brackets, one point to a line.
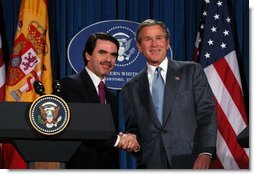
[91, 43]
[151, 22]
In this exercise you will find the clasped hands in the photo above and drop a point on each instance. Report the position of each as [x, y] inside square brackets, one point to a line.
[128, 142]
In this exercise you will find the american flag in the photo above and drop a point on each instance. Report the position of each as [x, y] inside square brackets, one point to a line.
[216, 52]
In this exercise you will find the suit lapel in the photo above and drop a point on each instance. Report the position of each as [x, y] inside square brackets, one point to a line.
[146, 99]
[91, 93]
[171, 89]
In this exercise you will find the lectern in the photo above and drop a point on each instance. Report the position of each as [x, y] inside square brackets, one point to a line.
[87, 121]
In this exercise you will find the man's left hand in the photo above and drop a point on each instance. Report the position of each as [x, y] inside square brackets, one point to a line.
[202, 162]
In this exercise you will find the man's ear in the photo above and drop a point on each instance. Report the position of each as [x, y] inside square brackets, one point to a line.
[139, 48]
[168, 44]
[88, 57]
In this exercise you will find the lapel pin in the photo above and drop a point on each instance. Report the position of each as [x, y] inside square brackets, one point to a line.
[177, 77]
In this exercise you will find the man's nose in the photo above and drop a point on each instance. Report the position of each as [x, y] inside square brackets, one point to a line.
[154, 42]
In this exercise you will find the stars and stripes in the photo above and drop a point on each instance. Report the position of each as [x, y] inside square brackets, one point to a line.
[215, 51]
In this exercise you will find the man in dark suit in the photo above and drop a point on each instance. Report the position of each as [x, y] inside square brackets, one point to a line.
[100, 54]
[185, 134]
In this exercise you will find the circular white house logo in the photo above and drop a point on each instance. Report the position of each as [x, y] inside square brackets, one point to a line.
[129, 62]
[49, 114]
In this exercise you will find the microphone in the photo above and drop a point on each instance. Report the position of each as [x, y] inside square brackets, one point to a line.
[38, 87]
[57, 88]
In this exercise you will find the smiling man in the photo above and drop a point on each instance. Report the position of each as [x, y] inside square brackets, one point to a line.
[169, 106]
[88, 86]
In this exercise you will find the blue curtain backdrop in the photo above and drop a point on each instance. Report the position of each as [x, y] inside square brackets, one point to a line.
[67, 17]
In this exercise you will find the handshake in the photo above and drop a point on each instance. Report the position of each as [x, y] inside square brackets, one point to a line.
[128, 142]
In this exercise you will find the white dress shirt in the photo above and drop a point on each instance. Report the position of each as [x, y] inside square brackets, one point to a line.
[151, 69]
[96, 80]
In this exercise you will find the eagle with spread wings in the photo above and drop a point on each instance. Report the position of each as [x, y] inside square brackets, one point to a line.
[50, 115]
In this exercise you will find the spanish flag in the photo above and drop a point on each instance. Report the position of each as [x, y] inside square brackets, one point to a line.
[30, 61]
[2, 82]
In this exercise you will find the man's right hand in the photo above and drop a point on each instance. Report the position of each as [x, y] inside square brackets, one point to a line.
[128, 142]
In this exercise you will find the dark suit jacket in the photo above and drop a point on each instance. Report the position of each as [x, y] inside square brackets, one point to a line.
[91, 154]
[189, 117]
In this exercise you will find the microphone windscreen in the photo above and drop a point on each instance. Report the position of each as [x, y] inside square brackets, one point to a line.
[56, 84]
[57, 88]
[38, 87]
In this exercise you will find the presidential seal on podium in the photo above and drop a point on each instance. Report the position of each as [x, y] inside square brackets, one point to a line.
[49, 114]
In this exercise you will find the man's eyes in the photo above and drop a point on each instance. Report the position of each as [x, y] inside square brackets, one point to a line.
[102, 52]
[157, 38]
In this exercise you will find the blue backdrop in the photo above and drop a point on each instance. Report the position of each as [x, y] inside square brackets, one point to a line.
[67, 17]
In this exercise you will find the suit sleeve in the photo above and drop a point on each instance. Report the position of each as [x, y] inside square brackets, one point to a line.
[129, 112]
[205, 111]
[70, 90]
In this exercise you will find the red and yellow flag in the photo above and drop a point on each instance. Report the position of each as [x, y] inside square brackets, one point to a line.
[30, 61]
[2, 82]
[2, 72]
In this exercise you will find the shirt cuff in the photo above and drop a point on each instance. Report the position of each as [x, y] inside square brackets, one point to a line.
[117, 141]
[206, 153]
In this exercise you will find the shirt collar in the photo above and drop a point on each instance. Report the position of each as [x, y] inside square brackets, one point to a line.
[96, 80]
[163, 65]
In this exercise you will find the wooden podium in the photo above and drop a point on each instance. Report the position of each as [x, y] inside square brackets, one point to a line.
[87, 121]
